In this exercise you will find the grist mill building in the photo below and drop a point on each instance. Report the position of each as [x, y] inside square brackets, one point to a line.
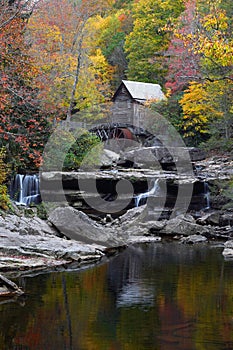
[130, 98]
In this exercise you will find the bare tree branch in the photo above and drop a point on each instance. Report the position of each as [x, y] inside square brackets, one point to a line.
[15, 10]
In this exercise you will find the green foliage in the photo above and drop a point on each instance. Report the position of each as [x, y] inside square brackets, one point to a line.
[108, 33]
[171, 110]
[222, 193]
[116, 40]
[120, 38]
[228, 193]
[206, 41]
[84, 152]
[217, 143]
[119, 4]
[41, 211]
[56, 149]
[227, 6]
[4, 197]
[146, 44]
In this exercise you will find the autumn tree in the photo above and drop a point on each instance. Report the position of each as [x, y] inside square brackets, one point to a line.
[122, 4]
[109, 33]
[214, 43]
[147, 43]
[12, 9]
[4, 197]
[23, 126]
[183, 62]
[198, 112]
[71, 76]
[207, 107]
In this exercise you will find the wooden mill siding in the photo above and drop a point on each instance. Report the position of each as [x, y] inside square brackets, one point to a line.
[129, 99]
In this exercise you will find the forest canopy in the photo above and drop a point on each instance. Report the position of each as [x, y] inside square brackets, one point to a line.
[58, 57]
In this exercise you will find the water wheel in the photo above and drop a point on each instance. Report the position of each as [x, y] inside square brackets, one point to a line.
[122, 137]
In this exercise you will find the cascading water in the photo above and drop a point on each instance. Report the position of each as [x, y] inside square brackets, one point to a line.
[25, 189]
[147, 194]
[207, 195]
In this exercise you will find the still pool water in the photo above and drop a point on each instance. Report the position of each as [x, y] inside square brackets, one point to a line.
[163, 296]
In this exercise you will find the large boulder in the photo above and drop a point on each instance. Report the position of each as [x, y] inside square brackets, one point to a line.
[156, 155]
[184, 225]
[78, 226]
[227, 218]
[108, 158]
[26, 225]
[194, 239]
[210, 219]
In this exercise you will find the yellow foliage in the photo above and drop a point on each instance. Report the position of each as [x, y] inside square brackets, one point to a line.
[215, 21]
[199, 107]
[100, 67]
[211, 40]
[4, 198]
[55, 45]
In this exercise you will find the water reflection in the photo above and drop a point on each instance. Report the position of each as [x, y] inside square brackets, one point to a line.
[157, 296]
[134, 294]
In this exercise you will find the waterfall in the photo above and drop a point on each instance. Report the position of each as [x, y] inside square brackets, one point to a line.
[207, 195]
[147, 194]
[25, 189]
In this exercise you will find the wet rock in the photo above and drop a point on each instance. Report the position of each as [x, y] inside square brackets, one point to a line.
[146, 228]
[226, 219]
[215, 168]
[107, 219]
[108, 158]
[135, 231]
[8, 288]
[10, 261]
[78, 226]
[34, 251]
[209, 219]
[131, 215]
[228, 249]
[196, 154]
[156, 155]
[184, 225]
[31, 243]
[194, 239]
[144, 157]
[143, 239]
[217, 218]
[155, 226]
[25, 225]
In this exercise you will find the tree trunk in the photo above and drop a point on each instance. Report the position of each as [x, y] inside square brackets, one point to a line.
[77, 74]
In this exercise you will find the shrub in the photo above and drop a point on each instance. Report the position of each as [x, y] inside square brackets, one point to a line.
[83, 152]
[4, 197]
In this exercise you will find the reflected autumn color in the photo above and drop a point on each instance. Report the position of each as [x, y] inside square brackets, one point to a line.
[162, 296]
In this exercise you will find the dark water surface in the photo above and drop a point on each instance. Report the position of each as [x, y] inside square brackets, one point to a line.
[159, 296]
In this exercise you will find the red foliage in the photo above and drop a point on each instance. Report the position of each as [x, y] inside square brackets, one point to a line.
[183, 63]
[123, 17]
[22, 124]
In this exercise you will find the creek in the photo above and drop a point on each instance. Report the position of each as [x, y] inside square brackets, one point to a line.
[25, 190]
[163, 296]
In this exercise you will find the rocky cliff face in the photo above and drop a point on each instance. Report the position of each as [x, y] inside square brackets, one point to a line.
[72, 235]
[206, 182]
